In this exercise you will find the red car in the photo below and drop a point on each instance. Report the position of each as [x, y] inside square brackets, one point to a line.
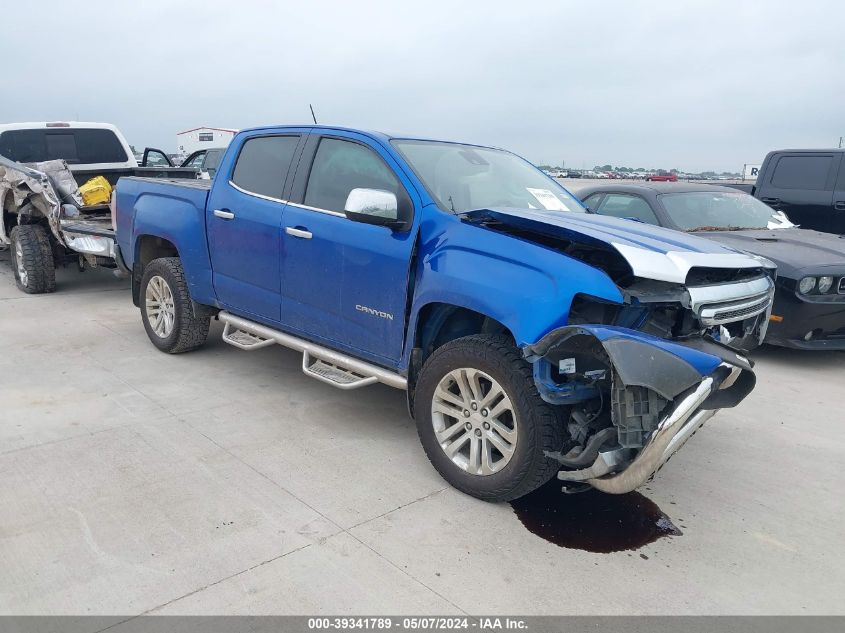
[659, 178]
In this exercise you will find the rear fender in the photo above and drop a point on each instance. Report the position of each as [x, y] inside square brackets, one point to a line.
[179, 222]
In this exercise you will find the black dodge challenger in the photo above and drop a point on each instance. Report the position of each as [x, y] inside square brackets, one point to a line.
[809, 307]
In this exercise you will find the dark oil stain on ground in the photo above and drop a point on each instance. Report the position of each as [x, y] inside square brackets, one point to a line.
[593, 521]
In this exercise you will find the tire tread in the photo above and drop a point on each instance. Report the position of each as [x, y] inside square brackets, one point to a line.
[192, 331]
[37, 258]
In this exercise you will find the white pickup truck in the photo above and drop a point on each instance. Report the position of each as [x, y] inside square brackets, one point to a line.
[44, 219]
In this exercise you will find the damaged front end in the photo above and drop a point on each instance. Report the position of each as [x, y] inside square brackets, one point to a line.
[636, 373]
[633, 398]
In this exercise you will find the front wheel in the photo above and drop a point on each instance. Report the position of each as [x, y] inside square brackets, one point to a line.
[482, 422]
[166, 308]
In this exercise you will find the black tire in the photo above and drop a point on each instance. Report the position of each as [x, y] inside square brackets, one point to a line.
[538, 428]
[32, 259]
[188, 332]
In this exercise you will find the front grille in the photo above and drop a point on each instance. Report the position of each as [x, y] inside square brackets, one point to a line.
[842, 286]
[727, 303]
[741, 313]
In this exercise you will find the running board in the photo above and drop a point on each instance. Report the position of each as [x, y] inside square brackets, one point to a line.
[322, 363]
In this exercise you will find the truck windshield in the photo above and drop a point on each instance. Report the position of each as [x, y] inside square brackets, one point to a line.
[717, 211]
[77, 146]
[465, 177]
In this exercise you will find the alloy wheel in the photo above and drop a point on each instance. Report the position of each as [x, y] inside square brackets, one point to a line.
[474, 421]
[160, 308]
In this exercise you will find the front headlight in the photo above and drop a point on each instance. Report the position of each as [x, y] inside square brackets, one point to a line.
[825, 284]
[806, 285]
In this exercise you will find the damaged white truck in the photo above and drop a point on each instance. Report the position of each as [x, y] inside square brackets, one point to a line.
[55, 186]
[533, 338]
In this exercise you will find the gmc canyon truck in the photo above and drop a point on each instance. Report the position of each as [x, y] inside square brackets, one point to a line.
[45, 220]
[533, 339]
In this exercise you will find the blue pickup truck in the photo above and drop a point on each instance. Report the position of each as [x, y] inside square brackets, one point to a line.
[533, 338]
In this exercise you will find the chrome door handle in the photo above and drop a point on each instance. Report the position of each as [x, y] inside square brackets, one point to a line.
[226, 215]
[298, 233]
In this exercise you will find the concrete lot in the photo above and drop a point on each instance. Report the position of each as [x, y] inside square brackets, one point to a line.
[228, 482]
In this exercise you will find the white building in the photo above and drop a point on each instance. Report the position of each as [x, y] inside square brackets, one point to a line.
[198, 138]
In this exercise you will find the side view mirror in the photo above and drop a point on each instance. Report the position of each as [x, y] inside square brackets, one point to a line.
[373, 206]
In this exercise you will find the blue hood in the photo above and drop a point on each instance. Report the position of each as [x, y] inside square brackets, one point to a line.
[652, 252]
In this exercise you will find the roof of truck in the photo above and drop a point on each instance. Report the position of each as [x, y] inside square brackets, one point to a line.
[817, 150]
[37, 125]
[383, 136]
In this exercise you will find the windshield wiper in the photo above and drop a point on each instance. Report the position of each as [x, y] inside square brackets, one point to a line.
[725, 228]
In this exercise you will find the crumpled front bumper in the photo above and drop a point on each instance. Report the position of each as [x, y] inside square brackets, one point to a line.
[695, 377]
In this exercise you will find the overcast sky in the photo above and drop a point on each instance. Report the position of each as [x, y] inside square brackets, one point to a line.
[644, 84]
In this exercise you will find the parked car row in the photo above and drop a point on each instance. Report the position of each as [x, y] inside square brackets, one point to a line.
[533, 339]
[809, 307]
[620, 175]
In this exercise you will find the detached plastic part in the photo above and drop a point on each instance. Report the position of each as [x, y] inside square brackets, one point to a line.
[639, 360]
[661, 392]
[636, 412]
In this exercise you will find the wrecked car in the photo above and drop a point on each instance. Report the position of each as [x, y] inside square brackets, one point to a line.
[533, 340]
[55, 184]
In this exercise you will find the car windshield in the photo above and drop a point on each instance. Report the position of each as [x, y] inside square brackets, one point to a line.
[465, 177]
[721, 211]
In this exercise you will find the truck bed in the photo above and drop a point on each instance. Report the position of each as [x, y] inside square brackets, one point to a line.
[112, 175]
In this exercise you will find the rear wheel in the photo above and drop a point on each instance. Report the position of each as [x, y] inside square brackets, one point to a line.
[166, 308]
[32, 259]
[482, 422]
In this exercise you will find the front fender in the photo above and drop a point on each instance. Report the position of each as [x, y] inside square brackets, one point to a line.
[527, 287]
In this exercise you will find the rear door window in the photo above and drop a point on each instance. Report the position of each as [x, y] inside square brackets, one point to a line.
[802, 172]
[77, 146]
[623, 205]
[263, 164]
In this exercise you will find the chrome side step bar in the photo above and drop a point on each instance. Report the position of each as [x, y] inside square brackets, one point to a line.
[322, 363]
